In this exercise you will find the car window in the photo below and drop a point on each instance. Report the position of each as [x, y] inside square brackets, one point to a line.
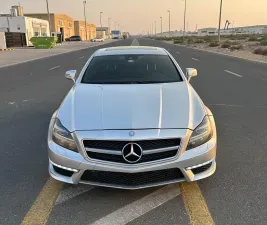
[117, 69]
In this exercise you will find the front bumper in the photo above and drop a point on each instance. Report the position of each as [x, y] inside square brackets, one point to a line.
[194, 164]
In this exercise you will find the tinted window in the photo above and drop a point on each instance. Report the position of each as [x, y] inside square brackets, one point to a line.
[118, 69]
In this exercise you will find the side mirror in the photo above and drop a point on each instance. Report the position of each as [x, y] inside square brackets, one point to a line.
[71, 75]
[190, 72]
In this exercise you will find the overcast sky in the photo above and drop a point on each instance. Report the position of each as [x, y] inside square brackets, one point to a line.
[136, 15]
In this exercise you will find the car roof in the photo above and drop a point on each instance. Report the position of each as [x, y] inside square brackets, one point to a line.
[128, 50]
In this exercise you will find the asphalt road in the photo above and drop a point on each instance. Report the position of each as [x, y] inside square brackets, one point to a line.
[235, 91]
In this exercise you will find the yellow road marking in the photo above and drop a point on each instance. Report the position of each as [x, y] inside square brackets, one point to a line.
[195, 204]
[41, 208]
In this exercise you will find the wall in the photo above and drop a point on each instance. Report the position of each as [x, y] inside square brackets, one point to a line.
[30, 26]
[2, 40]
[16, 24]
[35, 27]
[101, 34]
[58, 21]
[66, 23]
[79, 28]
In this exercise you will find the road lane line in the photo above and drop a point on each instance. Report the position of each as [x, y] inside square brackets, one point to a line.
[135, 43]
[178, 53]
[227, 71]
[72, 192]
[138, 208]
[195, 59]
[53, 68]
[81, 57]
[195, 204]
[41, 208]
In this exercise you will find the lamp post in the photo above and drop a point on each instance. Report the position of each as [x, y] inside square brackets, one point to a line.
[161, 25]
[109, 26]
[115, 27]
[184, 15]
[169, 22]
[220, 19]
[152, 29]
[49, 18]
[101, 19]
[84, 3]
[101, 24]
[155, 28]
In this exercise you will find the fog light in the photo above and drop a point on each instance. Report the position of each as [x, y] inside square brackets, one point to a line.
[199, 165]
[63, 167]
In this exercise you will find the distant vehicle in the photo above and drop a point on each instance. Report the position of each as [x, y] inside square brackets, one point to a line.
[115, 34]
[98, 40]
[132, 120]
[74, 38]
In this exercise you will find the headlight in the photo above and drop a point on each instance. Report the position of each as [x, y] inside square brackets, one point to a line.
[63, 137]
[201, 134]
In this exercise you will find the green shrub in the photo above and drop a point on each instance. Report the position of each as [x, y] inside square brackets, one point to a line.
[253, 38]
[264, 42]
[214, 44]
[190, 41]
[225, 45]
[210, 38]
[178, 41]
[260, 51]
[239, 37]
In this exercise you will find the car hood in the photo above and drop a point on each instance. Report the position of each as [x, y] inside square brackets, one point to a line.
[131, 106]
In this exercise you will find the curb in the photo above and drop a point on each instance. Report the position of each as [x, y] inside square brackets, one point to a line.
[6, 49]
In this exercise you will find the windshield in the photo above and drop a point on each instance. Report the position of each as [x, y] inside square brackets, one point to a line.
[124, 69]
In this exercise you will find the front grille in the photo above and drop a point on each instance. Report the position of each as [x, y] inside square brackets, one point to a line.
[132, 179]
[146, 146]
[120, 159]
[118, 145]
[201, 169]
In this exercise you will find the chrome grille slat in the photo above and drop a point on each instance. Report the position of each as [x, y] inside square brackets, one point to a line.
[103, 151]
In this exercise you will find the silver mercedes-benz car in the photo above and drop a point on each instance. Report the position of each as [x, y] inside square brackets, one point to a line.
[131, 120]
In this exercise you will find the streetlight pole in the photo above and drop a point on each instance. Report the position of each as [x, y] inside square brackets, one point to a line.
[184, 15]
[155, 28]
[101, 19]
[101, 24]
[169, 22]
[84, 3]
[220, 19]
[115, 27]
[109, 26]
[152, 29]
[49, 18]
[161, 25]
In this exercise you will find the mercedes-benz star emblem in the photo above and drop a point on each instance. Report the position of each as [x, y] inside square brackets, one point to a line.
[132, 152]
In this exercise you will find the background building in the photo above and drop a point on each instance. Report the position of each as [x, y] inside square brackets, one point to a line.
[79, 29]
[59, 23]
[31, 27]
[102, 32]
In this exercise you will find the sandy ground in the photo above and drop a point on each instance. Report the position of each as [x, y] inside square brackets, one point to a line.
[246, 52]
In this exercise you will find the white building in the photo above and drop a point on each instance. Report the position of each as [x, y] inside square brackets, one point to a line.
[30, 26]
